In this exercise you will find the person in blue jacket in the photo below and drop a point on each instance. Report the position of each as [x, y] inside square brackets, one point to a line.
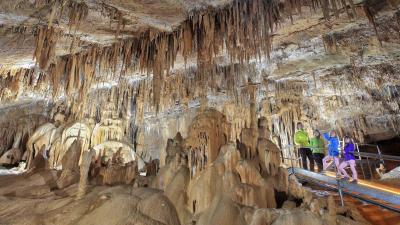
[349, 160]
[333, 149]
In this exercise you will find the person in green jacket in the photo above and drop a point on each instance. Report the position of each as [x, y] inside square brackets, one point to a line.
[302, 143]
[318, 149]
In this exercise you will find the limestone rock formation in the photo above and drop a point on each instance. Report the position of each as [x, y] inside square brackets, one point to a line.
[186, 108]
[225, 189]
[234, 190]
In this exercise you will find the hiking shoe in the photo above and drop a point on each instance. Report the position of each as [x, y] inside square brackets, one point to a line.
[354, 181]
[345, 178]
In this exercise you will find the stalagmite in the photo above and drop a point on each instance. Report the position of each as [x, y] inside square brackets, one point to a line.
[86, 160]
[70, 163]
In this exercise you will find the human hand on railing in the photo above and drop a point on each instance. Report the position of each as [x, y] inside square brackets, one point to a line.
[324, 130]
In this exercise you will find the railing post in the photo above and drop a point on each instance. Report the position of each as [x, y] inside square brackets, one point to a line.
[358, 150]
[339, 186]
[291, 161]
[369, 166]
[380, 155]
[340, 191]
[361, 162]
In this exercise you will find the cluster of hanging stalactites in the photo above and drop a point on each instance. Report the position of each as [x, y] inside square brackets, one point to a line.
[243, 29]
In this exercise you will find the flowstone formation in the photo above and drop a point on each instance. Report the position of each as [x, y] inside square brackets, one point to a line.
[214, 182]
[206, 180]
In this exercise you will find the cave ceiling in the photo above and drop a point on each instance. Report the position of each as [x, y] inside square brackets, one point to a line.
[64, 49]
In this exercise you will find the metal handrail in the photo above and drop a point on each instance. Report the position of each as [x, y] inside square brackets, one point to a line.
[291, 158]
[377, 156]
[365, 193]
[360, 155]
[359, 158]
[377, 149]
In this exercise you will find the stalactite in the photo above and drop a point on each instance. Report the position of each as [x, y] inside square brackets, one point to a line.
[157, 51]
[370, 16]
[371, 8]
[325, 9]
[41, 3]
[78, 11]
[353, 13]
[335, 8]
[353, 8]
[243, 28]
[330, 43]
[46, 41]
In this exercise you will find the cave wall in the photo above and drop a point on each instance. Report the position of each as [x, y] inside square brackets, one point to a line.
[330, 74]
[207, 94]
[341, 78]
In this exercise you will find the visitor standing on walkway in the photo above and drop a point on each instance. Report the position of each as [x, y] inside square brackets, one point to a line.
[333, 149]
[302, 143]
[349, 160]
[318, 149]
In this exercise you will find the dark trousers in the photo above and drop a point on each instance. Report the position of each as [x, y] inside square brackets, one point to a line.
[304, 154]
[318, 160]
